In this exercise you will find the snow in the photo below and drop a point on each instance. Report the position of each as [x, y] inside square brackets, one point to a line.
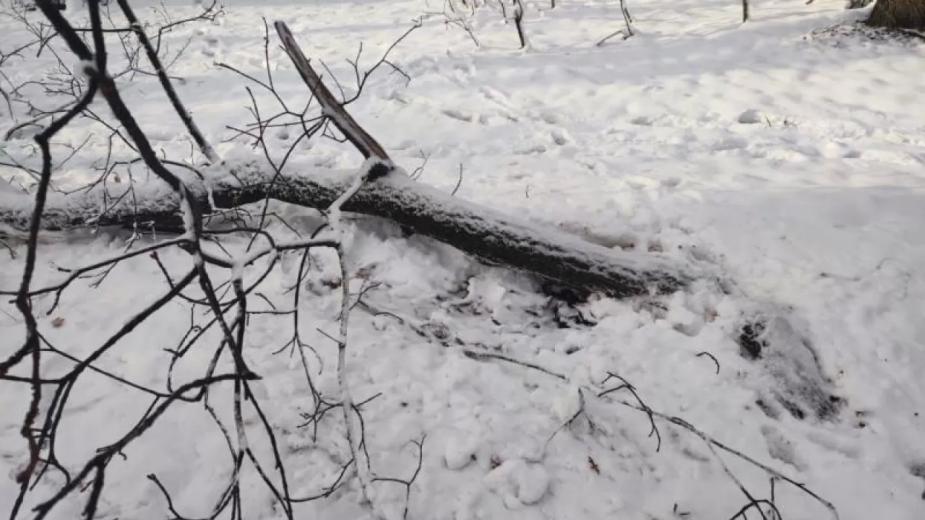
[460, 451]
[785, 155]
[518, 482]
[750, 117]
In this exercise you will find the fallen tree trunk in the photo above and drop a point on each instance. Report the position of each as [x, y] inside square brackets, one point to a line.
[477, 230]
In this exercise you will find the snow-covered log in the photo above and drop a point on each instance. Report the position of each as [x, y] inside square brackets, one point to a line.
[477, 230]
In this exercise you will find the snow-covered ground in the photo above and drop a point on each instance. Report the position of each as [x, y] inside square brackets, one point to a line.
[788, 157]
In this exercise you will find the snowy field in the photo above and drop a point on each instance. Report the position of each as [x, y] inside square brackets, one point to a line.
[784, 154]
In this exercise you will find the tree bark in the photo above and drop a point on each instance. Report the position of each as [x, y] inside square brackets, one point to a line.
[479, 231]
[898, 14]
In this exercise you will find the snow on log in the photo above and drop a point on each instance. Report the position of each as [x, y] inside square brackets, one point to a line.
[477, 230]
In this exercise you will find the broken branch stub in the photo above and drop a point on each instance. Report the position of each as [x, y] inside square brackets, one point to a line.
[331, 107]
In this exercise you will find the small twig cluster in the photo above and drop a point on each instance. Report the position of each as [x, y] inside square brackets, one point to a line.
[460, 16]
[766, 508]
[625, 33]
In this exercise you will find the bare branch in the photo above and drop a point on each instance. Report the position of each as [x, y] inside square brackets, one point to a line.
[331, 108]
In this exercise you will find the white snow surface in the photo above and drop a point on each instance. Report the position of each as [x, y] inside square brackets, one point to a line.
[790, 159]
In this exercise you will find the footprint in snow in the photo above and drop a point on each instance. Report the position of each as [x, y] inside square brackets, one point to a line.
[497, 96]
[461, 116]
[730, 143]
[561, 137]
[529, 150]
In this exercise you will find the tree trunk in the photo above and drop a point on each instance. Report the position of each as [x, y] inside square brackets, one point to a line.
[479, 231]
[898, 14]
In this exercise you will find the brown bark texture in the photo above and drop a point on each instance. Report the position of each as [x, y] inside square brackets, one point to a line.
[898, 14]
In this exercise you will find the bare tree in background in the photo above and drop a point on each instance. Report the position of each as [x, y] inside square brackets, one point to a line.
[519, 13]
